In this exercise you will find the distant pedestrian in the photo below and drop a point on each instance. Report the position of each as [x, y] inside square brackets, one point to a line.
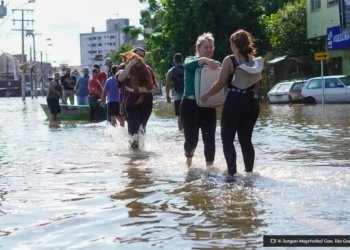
[102, 76]
[53, 97]
[95, 93]
[81, 89]
[109, 64]
[111, 91]
[175, 80]
[68, 82]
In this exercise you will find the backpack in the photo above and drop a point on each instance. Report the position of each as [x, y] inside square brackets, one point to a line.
[177, 76]
[247, 74]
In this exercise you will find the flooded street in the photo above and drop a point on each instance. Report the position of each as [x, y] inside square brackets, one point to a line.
[79, 186]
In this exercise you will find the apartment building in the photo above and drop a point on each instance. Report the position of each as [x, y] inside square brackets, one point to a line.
[95, 45]
[330, 20]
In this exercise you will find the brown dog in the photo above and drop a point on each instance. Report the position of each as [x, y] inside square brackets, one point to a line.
[139, 74]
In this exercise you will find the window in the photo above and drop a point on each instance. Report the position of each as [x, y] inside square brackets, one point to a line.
[331, 83]
[331, 3]
[315, 5]
[297, 86]
[345, 80]
[315, 84]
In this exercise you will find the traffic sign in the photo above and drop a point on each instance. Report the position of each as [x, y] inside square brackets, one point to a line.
[321, 56]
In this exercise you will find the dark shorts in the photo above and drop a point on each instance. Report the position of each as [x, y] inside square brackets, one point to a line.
[113, 108]
[93, 100]
[177, 107]
[54, 105]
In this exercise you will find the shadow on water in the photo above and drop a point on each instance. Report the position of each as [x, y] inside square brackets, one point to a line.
[207, 208]
[228, 209]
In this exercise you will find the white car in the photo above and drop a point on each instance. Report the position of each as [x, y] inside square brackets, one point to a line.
[286, 92]
[336, 89]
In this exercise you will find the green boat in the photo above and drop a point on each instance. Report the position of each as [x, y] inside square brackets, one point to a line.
[74, 112]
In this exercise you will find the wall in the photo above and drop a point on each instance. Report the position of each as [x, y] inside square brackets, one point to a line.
[318, 21]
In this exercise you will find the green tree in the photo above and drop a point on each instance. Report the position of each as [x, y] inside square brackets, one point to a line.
[272, 6]
[287, 32]
[115, 54]
[175, 25]
[133, 31]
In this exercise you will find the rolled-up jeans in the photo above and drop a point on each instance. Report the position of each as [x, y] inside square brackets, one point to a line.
[82, 100]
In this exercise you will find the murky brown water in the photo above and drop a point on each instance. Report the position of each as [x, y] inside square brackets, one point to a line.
[80, 187]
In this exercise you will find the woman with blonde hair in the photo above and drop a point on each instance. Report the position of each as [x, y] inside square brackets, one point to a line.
[241, 74]
[192, 116]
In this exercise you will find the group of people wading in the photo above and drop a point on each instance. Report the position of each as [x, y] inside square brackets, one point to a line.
[240, 110]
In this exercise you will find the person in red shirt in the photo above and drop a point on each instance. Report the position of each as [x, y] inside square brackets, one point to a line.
[95, 93]
[102, 76]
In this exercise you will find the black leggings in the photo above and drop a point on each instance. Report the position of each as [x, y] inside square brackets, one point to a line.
[239, 115]
[137, 115]
[194, 118]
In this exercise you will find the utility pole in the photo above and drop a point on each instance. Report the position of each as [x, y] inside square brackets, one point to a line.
[32, 34]
[7, 77]
[22, 20]
[42, 74]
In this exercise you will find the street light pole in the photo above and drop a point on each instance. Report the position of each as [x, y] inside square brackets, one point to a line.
[23, 80]
[34, 69]
[42, 73]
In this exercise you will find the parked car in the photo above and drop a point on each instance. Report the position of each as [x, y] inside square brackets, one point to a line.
[336, 89]
[286, 92]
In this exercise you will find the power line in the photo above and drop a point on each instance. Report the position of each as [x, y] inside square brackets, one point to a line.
[19, 6]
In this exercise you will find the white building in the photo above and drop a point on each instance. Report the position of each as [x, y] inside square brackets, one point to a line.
[95, 45]
[330, 20]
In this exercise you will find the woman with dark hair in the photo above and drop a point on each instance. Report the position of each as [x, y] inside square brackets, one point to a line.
[136, 114]
[241, 74]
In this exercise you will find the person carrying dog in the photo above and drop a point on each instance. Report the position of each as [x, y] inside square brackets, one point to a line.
[136, 114]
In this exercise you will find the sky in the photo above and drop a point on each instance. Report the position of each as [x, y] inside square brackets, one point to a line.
[58, 24]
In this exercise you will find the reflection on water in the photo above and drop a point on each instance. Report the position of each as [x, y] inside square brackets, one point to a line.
[79, 186]
[316, 136]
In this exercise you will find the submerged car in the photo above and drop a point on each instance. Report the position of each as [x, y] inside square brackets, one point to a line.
[336, 89]
[286, 92]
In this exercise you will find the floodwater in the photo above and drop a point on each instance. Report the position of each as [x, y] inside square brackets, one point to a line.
[79, 186]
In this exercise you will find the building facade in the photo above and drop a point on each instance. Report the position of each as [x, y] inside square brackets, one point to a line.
[329, 20]
[95, 45]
